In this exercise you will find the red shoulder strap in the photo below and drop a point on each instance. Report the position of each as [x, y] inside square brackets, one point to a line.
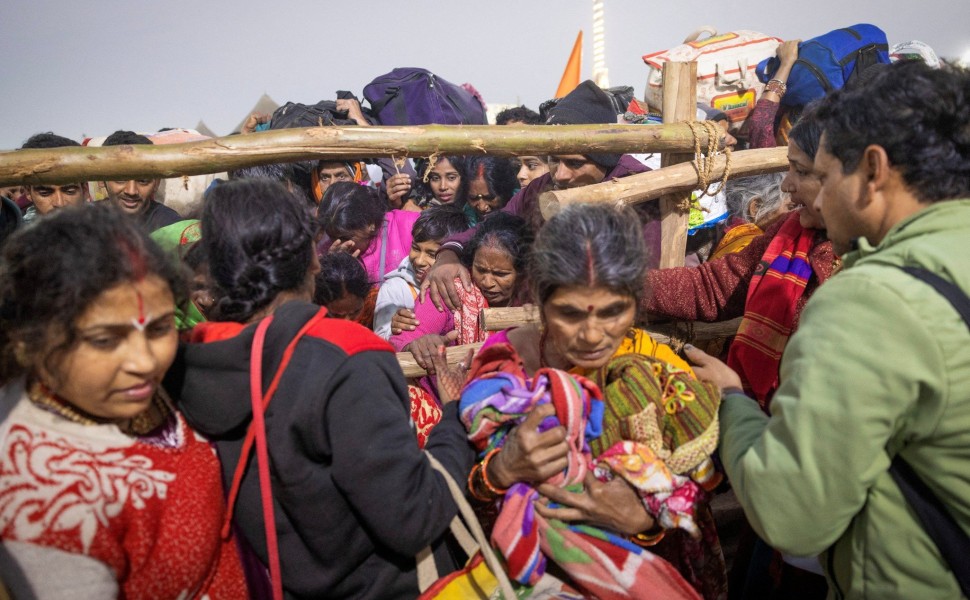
[257, 433]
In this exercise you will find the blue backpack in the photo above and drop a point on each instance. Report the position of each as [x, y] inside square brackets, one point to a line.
[827, 62]
[411, 96]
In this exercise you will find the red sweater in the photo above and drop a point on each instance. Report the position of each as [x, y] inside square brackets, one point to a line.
[150, 511]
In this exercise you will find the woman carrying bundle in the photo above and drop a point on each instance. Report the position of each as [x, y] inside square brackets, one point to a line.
[586, 273]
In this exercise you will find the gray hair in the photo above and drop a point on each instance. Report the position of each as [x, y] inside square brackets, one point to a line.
[743, 191]
[589, 245]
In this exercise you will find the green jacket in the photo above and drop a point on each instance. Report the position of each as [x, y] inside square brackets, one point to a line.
[880, 362]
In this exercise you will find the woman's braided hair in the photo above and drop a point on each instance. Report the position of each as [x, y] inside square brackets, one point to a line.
[259, 241]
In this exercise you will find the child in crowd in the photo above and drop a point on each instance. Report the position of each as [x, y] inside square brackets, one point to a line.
[400, 287]
[341, 286]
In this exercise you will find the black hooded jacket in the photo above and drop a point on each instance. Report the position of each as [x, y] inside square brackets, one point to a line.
[354, 497]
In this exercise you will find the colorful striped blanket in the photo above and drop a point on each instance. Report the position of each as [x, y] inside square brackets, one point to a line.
[602, 564]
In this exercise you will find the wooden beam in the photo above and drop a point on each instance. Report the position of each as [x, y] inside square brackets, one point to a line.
[497, 319]
[654, 184]
[63, 165]
[453, 355]
[679, 104]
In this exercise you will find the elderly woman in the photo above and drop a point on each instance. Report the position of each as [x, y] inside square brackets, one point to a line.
[586, 274]
[107, 492]
[354, 499]
[753, 204]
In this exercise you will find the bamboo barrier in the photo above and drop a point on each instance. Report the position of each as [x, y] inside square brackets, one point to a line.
[497, 319]
[654, 184]
[679, 104]
[64, 165]
[453, 355]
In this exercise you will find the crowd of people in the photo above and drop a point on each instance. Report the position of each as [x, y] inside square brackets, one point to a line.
[210, 405]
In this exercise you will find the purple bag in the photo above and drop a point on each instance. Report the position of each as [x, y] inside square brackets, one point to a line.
[412, 96]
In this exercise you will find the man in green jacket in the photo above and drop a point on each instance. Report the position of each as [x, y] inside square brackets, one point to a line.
[880, 363]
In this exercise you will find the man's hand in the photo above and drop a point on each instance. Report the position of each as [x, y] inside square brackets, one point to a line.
[707, 368]
[440, 281]
[352, 107]
[253, 121]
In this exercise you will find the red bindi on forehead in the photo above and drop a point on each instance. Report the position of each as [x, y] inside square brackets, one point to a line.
[141, 308]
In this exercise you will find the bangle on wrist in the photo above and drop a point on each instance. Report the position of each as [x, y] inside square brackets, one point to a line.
[488, 484]
[777, 86]
[648, 538]
[473, 487]
[732, 390]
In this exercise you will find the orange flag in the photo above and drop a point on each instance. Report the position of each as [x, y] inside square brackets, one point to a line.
[570, 76]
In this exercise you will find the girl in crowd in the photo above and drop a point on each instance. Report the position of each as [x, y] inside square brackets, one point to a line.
[341, 286]
[356, 221]
[496, 259]
[107, 492]
[491, 183]
[444, 183]
[530, 169]
[586, 273]
[354, 500]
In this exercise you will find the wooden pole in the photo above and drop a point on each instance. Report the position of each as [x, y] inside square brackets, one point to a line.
[679, 104]
[454, 355]
[653, 184]
[496, 319]
[63, 165]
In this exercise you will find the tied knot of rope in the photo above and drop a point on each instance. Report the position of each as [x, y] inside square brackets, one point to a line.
[432, 161]
[704, 163]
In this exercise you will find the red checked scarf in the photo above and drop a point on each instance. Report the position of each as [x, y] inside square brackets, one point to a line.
[769, 313]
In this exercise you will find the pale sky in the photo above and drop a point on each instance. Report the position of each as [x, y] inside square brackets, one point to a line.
[95, 66]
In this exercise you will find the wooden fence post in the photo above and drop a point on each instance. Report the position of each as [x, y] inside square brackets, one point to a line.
[679, 104]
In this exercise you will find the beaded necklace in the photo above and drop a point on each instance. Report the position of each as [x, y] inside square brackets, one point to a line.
[141, 424]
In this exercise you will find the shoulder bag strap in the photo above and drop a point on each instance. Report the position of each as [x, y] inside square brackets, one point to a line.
[952, 542]
[467, 514]
[257, 434]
